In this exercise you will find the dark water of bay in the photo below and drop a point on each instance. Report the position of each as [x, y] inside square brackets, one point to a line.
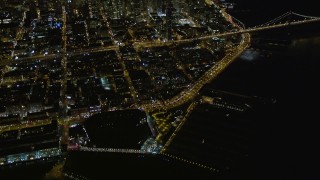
[286, 68]
[285, 134]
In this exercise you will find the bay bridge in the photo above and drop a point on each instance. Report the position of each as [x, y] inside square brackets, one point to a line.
[287, 19]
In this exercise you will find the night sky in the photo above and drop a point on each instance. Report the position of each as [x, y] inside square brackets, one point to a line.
[283, 5]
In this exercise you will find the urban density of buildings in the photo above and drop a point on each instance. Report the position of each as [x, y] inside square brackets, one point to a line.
[119, 78]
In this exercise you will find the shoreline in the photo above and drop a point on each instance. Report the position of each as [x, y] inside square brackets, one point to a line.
[186, 95]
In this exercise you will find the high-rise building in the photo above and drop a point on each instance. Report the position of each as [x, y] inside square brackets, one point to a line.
[119, 8]
[157, 5]
[110, 8]
[139, 6]
[42, 4]
[127, 7]
[169, 10]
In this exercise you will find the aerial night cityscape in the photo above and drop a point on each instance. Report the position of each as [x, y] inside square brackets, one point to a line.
[154, 89]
